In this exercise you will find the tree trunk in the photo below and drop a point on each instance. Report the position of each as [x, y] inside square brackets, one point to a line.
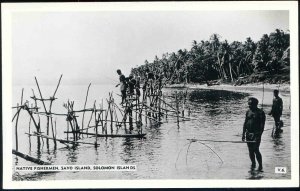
[230, 71]
[222, 72]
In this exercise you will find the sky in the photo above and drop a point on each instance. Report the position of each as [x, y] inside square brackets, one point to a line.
[90, 46]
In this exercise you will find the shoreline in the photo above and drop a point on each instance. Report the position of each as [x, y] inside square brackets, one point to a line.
[284, 87]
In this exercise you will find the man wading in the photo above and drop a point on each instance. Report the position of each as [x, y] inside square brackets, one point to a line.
[253, 128]
[276, 111]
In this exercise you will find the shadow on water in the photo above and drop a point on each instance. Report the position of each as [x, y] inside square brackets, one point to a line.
[215, 96]
[255, 175]
[216, 103]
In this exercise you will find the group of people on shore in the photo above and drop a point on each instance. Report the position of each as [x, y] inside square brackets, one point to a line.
[254, 126]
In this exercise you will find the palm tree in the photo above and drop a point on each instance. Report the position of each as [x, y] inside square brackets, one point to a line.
[215, 48]
[237, 57]
[278, 43]
[215, 42]
[227, 58]
[261, 56]
[249, 49]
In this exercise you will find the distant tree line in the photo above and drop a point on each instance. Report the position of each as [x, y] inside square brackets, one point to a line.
[214, 59]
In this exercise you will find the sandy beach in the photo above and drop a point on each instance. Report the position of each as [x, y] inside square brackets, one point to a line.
[284, 88]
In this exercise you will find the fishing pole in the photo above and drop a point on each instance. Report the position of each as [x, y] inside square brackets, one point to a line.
[269, 129]
[262, 101]
[111, 78]
[222, 141]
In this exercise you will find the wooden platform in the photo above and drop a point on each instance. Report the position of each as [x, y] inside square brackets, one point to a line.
[117, 135]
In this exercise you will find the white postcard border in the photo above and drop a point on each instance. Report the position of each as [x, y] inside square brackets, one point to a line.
[9, 9]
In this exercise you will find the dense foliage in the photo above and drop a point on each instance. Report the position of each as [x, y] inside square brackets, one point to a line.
[214, 59]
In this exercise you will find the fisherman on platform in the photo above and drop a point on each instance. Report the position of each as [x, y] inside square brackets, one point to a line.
[276, 111]
[131, 85]
[123, 85]
[148, 84]
[138, 86]
[252, 131]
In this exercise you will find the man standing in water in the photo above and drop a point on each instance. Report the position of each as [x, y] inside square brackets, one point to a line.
[253, 128]
[123, 85]
[276, 111]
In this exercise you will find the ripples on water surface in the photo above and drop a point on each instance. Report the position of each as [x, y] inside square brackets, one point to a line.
[166, 153]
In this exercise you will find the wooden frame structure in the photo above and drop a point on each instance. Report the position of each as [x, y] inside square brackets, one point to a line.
[103, 122]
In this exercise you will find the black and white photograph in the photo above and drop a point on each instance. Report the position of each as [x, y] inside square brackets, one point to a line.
[150, 94]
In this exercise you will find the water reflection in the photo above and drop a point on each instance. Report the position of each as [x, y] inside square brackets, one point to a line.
[31, 176]
[29, 143]
[96, 153]
[128, 149]
[38, 150]
[16, 160]
[279, 145]
[52, 155]
[72, 155]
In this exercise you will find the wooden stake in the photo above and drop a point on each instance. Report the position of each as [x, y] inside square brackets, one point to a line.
[53, 135]
[55, 128]
[67, 130]
[106, 115]
[18, 111]
[87, 93]
[16, 130]
[96, 124]
[177, 109]
[159, 109]
[29, 125]
[17, 120]
[43, 105]
[111, 113]
[57, 86]
[40, 94]
[130, 116]
[87, 129]
[50, 108]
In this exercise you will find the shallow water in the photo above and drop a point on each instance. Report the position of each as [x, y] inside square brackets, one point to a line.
[165, 153]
